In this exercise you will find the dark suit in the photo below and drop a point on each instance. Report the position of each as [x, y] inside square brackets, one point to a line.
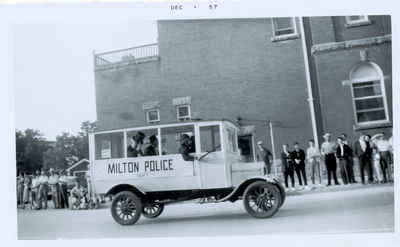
[365, 160]
[344, 162]
[287, 168]
[300, 167]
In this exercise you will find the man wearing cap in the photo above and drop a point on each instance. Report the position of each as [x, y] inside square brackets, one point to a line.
[299, 157]
[265, 155]
[185, 147]
[350, 160]
[328, 150]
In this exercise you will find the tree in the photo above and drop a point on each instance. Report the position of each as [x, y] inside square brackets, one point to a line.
[30, 146]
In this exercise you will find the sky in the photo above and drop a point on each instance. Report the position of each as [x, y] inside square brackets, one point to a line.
[53, 70]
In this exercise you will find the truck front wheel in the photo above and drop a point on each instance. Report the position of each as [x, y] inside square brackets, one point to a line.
[262, 199]
[126, 208]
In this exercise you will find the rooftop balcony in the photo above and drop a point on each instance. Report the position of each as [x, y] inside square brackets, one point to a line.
[123, 57]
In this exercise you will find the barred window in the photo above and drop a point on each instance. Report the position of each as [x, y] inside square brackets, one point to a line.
[183, 112]
[153, 115]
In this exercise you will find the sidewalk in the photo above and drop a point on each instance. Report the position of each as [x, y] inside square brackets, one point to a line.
[321, 188]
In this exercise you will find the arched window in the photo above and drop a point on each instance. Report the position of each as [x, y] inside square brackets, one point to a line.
[369, 95]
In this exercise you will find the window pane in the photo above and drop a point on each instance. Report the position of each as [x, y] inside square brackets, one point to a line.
[171, 136]
[183, 111]
[210, 138]
[283, 26]
[367, 91]
[152, 115]
[356, 17]
[142, 143]
[366, 83]
[371, 116]
[232, 147]
[109, 146]
[365, 104]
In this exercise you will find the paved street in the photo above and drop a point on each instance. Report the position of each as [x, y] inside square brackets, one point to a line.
[356, 209]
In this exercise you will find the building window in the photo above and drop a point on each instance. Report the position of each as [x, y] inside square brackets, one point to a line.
[153, 115]
[357, 20]
[284, 28]
[369, 95]
[183, 112]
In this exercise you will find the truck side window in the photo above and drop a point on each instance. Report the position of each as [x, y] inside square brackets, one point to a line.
[210, 138]
[142, 143]
[109, 146]
[171, 138]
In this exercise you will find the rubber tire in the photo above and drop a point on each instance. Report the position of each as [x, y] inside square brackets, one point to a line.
[152, 216]
[273, 210]
[136, 200]
[283, 193]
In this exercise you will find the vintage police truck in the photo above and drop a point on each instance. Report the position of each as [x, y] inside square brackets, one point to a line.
[144, 184]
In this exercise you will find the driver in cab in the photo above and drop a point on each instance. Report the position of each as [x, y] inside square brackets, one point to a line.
[186, 148]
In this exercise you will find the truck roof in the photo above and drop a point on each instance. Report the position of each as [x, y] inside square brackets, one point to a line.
[172, 124]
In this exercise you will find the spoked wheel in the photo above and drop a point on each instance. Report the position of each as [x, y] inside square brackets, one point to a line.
[152, 210]
[126, 208]
[262, 199]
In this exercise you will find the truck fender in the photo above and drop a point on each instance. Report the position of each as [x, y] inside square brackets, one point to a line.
[238, 191]
[126, 187]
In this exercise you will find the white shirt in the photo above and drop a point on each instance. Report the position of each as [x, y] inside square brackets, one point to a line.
[53, 179]
[312, 152]
[363, 145]
[383, 145]
[43, 179]
[341, 149]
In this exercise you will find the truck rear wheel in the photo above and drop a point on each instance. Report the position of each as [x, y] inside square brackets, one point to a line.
[126, 208]
[262, 199]
[152, 210]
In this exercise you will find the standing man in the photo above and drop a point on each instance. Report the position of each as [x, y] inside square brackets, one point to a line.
[383, 146]
[53, 183]
[63, 189]
[299, 157]
[313, 159]
[363, 151]
[328, 150]
[34, 189]
[42, 192]
[287, 165]
[350, 160]
[266, 156]
[343, 154]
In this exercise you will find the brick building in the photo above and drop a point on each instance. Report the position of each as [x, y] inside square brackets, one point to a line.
[306, 75]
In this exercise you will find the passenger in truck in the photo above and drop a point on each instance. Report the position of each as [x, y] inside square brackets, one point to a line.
[185, 148]
[152, 148]
[136, 144]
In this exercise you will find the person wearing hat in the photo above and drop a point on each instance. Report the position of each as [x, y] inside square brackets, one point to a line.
[266, 156]
[328, 150]
[350, 160]
[152, 148]
[185, 148]
[136, 143]
[54, 188]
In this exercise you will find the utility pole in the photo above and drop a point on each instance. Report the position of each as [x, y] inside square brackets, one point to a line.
[312, 81]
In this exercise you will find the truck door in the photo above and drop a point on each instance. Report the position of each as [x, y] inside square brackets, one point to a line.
[212, 162]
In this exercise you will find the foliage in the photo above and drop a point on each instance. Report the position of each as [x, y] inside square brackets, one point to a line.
[34, 152]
